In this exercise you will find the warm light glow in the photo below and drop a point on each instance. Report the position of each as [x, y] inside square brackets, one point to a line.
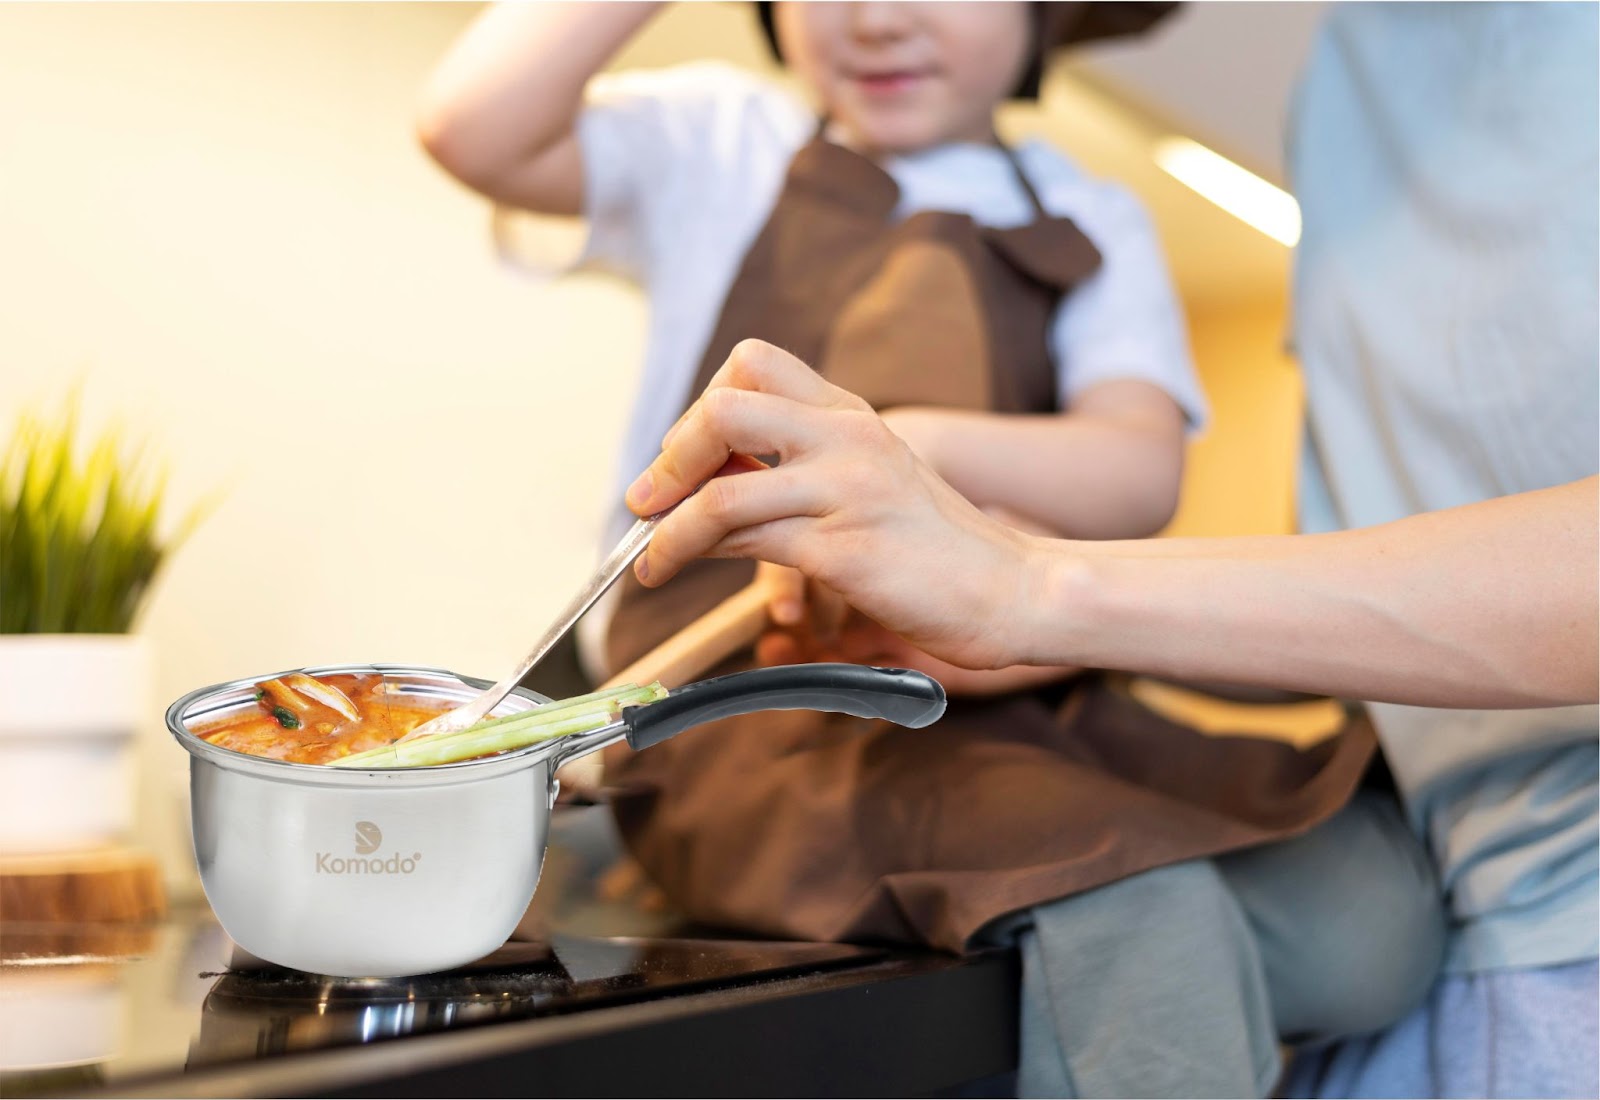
[1241, 193]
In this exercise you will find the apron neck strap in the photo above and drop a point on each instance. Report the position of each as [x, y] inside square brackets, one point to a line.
[1007, 151]
[1040, 213]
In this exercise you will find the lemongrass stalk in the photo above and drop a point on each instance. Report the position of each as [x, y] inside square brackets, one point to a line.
[540, 724]
[544, 708]
[552, 709]
[465, 746]
[628, 693]
[516, 731]
[507, 723]
[426, 753]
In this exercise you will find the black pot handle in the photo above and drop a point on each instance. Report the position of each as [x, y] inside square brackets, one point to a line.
[904, 697]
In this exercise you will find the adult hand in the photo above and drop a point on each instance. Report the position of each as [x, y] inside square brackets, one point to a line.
[848, 504]
[809, 617]
[811, 623]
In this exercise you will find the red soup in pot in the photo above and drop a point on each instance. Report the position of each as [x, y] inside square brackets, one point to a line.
[318, 720]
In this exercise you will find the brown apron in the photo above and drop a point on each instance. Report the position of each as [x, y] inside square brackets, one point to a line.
[831, 827]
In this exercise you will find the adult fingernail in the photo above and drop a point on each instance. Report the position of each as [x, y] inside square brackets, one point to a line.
[786, 612]
[640, 491]
[642, 567]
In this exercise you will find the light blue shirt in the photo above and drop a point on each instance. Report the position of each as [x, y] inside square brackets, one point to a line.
[1446, 295]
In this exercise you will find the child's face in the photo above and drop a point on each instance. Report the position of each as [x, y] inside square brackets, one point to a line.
[906, 76]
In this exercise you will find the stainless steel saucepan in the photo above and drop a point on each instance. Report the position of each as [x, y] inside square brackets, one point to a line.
[402, 871]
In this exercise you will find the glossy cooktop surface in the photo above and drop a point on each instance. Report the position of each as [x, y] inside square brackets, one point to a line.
[93, 1006]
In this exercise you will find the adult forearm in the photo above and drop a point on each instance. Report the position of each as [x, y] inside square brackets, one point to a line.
[1490, 605]
[512, 85]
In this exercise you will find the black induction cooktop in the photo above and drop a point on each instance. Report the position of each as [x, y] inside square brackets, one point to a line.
[92, 1008]
[260, 1013]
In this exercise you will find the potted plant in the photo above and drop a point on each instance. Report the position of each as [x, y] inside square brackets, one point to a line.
[79, 548]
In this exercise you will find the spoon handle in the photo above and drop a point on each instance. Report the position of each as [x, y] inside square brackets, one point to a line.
[621, 557]
[605, 575]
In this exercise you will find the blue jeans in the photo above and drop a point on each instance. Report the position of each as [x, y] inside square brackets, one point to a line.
[1526, 1032]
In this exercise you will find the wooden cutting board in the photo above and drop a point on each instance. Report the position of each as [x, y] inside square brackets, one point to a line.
[98, 885]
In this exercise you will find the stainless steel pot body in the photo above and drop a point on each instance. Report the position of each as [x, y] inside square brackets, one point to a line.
[405, 871]
[366, 874]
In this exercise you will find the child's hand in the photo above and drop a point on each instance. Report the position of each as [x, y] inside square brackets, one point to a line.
[806, 618]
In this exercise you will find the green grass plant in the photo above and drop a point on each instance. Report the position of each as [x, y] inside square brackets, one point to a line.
[79, 545]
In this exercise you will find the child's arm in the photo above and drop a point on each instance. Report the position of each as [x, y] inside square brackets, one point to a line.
[1109, 464]
[1107, 468]
[498, 112]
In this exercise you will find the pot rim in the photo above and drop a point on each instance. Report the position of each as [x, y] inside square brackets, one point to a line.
[326, 775]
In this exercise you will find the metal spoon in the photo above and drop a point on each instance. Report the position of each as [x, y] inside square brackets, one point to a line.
[621, 557]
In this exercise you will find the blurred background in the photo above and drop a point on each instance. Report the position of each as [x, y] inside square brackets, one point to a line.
[216, 220]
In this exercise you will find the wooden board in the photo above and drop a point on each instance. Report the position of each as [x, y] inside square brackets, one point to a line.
[100, 885]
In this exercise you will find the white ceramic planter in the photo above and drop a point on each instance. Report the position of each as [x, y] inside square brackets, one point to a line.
[70, 707]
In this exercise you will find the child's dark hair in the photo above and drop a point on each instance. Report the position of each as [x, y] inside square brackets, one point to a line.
[1054, 25]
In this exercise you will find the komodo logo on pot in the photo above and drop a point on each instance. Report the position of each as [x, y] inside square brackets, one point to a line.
[368, 838]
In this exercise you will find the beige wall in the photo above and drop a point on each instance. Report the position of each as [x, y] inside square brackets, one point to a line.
[217, 218]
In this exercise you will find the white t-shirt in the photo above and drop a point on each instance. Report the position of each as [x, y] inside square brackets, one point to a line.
[682, 168]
